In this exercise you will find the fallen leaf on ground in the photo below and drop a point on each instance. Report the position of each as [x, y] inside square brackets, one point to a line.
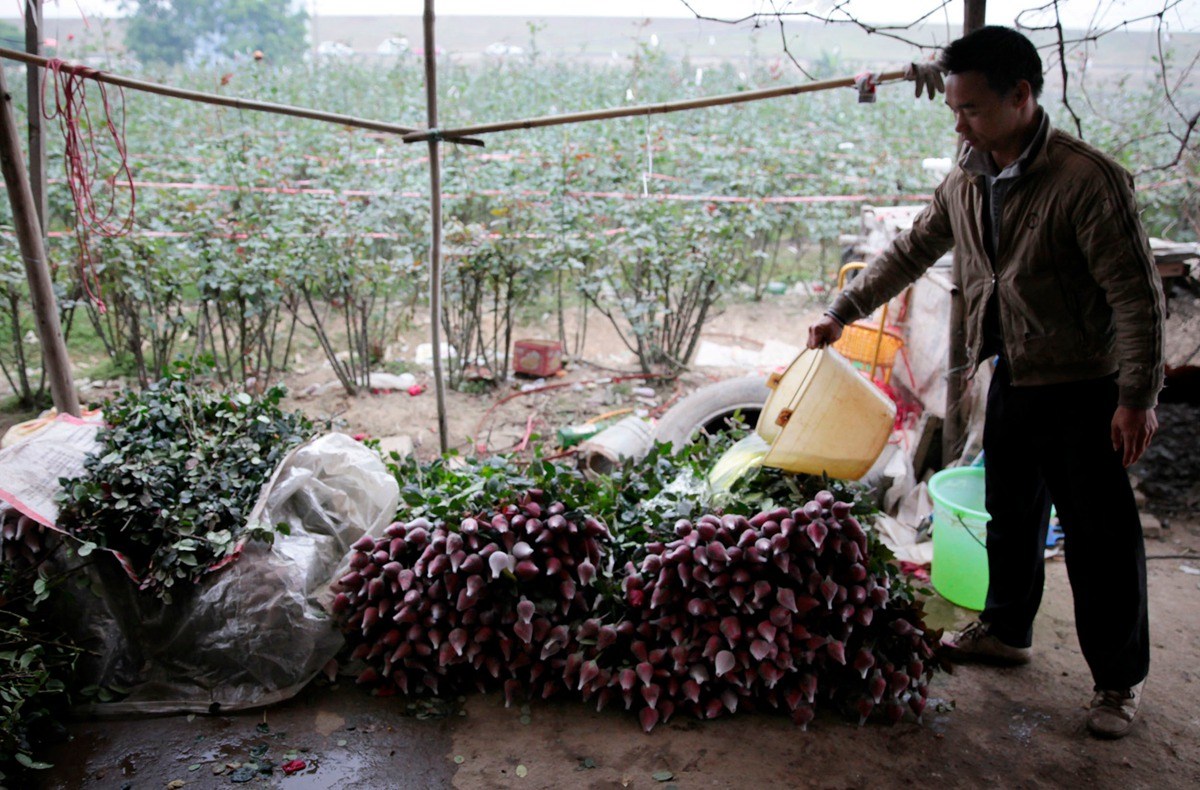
[243, 774]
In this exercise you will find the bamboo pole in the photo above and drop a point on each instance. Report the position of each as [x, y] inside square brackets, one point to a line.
[645, 109]
[33, 100]
[33, 253]
[223, 101]
[435, 221]
[973, 15]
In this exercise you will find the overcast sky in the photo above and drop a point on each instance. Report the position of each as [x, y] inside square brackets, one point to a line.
[1076, 13]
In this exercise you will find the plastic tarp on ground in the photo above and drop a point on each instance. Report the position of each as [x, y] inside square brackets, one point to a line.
[250, 634]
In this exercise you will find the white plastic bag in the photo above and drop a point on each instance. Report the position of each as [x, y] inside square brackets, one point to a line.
[252, 633]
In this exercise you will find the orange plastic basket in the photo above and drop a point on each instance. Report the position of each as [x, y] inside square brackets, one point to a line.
[868, 344]
[859, 341]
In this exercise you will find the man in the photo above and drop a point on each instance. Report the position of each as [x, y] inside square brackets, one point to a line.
[1058, 285]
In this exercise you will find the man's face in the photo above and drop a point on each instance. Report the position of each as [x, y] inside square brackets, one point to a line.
[987, 120]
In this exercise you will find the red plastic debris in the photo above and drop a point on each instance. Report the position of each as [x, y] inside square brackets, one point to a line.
[292, 766]
[416, 389]
[918, 571]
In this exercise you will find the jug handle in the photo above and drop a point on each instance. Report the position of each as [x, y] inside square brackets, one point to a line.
[786, 413]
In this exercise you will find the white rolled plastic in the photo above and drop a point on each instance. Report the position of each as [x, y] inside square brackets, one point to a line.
[629, 438]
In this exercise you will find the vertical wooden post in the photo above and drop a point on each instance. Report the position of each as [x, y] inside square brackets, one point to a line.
[33, 253]
[954, 429]
[973, 15]
[33, 103]
[435, 221]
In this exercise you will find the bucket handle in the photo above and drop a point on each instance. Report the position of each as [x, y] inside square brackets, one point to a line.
[785, 414]
[974, 537]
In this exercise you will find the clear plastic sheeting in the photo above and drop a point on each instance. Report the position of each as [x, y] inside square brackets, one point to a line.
[253, 633]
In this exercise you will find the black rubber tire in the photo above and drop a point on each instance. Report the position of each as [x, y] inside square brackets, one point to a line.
[707, 409]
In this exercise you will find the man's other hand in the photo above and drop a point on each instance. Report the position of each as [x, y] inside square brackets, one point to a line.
[1132, 430]
[928, 76]
[825, 331]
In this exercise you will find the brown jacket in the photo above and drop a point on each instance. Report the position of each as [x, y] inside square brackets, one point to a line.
[1079, 295]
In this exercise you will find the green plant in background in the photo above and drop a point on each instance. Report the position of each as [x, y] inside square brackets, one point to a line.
[240, 316]
[178, 471]
[488, 280]
[145, 310]
[17, 354]
[348, 290]
[662, 277]
[572, 245]
[20, 349]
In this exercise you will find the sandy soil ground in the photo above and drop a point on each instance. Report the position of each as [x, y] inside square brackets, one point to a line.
[480, 420]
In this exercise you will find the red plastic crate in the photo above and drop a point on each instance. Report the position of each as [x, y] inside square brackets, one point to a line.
[537, 357]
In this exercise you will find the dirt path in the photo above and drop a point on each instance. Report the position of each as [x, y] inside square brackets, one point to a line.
[475, 419]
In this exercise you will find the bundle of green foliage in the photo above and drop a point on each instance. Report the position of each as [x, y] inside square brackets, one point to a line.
[176, 476]
[640, 501]
[35, 667]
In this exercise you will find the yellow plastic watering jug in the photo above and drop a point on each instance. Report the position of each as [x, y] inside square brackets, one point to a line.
[823, 416]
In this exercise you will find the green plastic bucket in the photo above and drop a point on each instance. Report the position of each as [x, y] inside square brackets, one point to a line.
[960, 565]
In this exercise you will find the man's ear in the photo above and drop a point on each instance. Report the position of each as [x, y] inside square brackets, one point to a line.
[1022, 93]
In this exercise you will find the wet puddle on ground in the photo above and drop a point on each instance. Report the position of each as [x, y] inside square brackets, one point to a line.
[344, 738]
[1024, 723]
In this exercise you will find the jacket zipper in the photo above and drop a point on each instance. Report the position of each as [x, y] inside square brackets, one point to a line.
[1006, 339]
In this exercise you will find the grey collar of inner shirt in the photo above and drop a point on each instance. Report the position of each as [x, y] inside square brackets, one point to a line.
[981, 162]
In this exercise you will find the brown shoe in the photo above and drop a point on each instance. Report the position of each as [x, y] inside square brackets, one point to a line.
[1112, 712]
[974, 643]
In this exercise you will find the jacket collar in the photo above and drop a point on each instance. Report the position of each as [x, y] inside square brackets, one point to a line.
[976, 164]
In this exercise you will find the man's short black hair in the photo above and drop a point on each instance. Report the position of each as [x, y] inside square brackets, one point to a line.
[1001, 54]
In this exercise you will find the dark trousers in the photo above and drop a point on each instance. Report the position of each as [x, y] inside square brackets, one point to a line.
[1052, 443]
